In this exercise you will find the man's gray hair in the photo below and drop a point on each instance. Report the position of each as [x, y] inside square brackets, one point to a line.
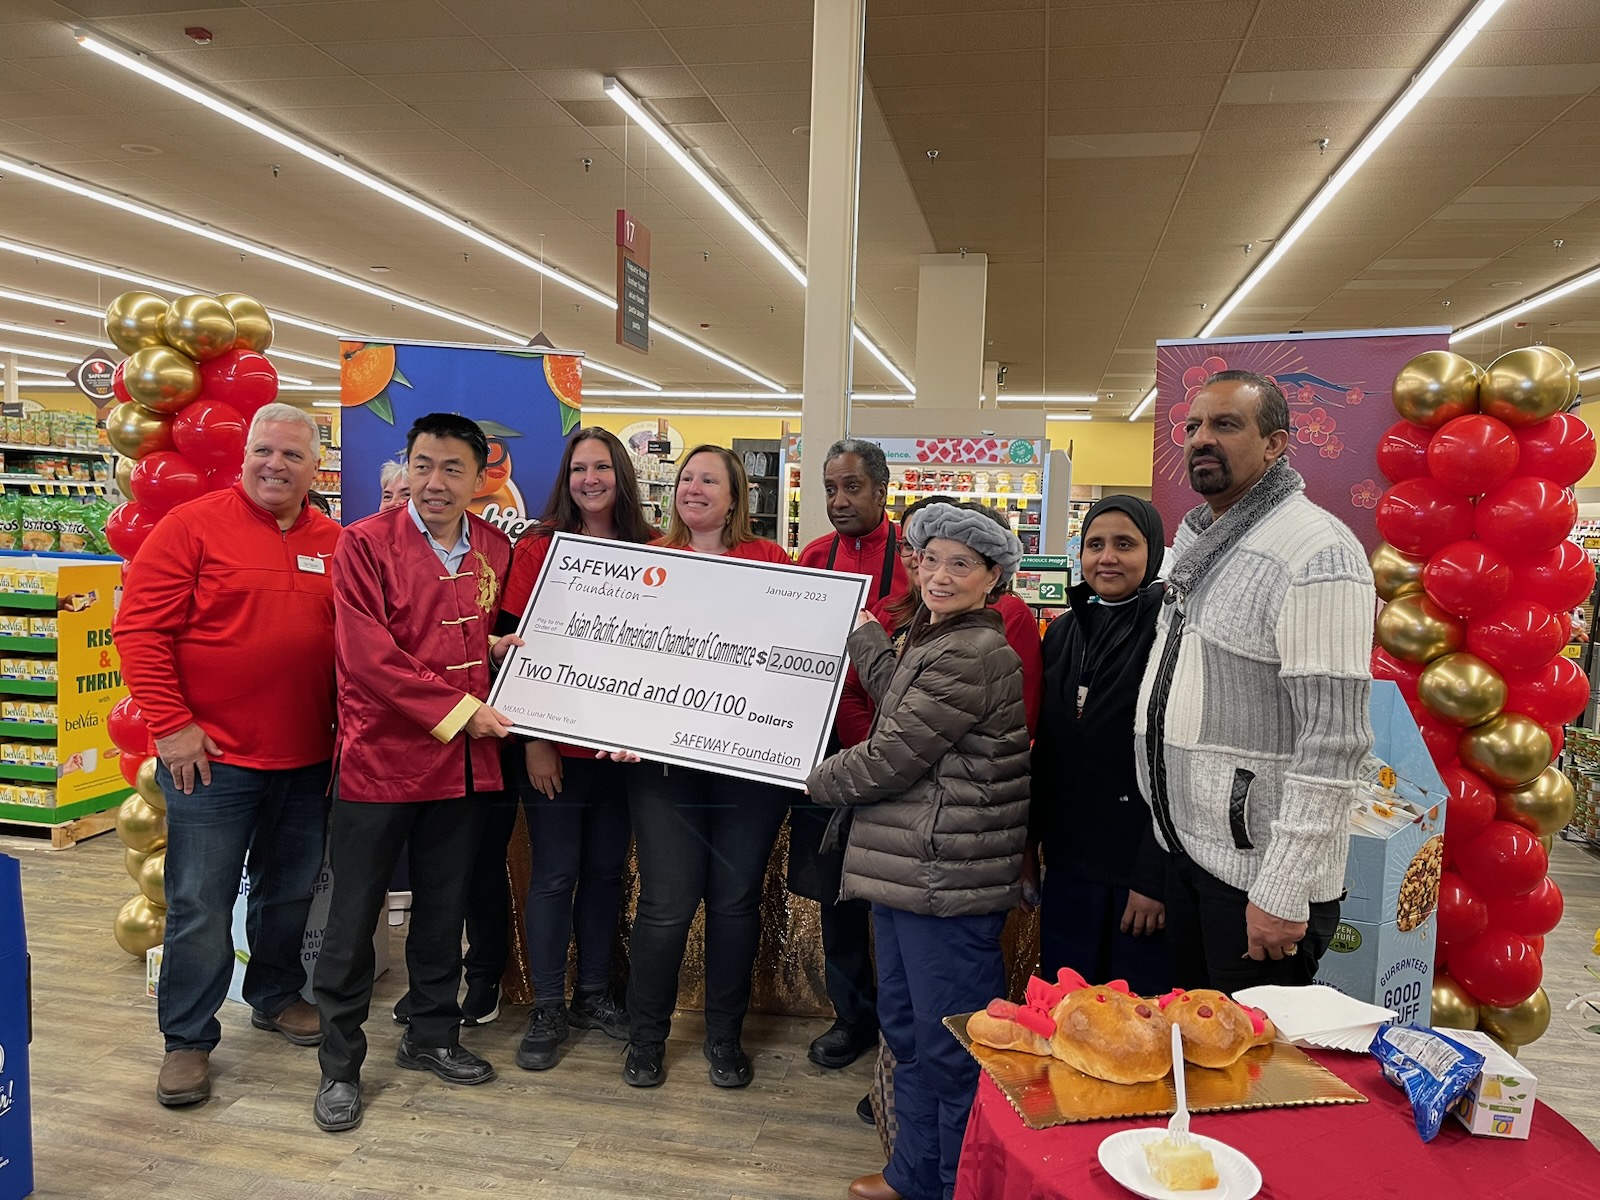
[983, 532]
[391, 472]
[285, 414]
[870, 454]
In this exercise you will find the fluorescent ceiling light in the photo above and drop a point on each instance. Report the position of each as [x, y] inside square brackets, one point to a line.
[1066, 416]
[21, 350]
[140, 64]
[688, 394]
[1532, 302]
[326, 404]
[1421, 84]
[1008, 398]
[1590, 374]
[45, 383]
[1143, 404]
[792, 414]
[99, 343]
[626, 101]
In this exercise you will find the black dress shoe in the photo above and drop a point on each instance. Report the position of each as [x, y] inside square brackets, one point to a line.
[842, 1045]
[864, 1110]
[730, 1065]
[338, 1106]
[643, 1067]
[453, 1064]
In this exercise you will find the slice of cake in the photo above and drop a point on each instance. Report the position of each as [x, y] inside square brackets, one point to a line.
[1181, 1166]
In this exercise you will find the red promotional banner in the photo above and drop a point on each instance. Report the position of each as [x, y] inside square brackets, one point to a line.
[1337, 385]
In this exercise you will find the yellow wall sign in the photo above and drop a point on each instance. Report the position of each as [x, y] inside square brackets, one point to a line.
[89, 682]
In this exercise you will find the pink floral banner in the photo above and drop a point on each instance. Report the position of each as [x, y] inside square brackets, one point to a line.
[1337, 385]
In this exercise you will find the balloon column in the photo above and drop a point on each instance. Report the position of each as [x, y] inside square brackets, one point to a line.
[194, 376]
[142, 826]
[1478, 578]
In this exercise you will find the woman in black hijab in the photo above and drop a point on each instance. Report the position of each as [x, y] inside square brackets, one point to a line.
[1101, 910]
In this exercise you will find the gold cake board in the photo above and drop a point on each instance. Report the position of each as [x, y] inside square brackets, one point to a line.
[1046, 1091]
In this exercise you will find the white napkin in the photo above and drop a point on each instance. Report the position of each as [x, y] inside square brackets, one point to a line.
[1318, 1015]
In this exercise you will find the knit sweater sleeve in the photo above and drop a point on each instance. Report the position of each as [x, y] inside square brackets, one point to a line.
[1324, 642]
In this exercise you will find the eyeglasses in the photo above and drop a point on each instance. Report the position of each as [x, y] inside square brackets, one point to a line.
[957, 565]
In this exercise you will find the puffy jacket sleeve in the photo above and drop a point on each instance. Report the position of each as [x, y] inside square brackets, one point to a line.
[939, 707]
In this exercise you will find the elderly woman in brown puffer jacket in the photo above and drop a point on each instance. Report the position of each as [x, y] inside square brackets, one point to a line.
[939, 793]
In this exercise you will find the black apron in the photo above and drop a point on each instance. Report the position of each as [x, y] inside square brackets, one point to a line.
[891, 548]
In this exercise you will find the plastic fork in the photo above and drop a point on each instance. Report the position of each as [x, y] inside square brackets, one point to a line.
[1178, 1127]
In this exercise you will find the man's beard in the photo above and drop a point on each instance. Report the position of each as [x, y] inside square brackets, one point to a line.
[1218, 479]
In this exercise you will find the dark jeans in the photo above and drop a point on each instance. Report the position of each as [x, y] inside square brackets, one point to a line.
[489, 892]
[579, 847]
[1080, 926]
[698, 837]
[1206, 934]
[364, 845]
[271, 823]
[930, 968]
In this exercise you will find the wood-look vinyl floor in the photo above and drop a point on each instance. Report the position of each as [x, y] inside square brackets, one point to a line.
[576, 1132]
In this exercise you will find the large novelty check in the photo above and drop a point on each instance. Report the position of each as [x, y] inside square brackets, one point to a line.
[719, 663]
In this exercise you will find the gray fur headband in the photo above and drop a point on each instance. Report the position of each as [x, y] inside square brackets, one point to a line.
[984, 532]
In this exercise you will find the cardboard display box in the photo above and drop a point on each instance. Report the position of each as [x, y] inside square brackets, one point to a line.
[1500, 1101]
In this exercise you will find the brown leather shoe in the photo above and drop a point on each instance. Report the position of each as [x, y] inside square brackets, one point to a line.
[185, 1078]
[300, 1023]
[873, 1187]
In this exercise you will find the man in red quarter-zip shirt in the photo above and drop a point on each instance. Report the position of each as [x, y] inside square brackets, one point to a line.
[855, 476]
[226, 637]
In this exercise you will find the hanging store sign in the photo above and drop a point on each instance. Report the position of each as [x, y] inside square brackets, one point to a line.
[633, 283]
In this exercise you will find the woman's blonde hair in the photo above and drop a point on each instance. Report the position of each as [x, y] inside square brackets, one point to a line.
[736, 529]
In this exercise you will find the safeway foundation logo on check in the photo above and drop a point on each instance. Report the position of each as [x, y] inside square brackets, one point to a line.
[653, 576]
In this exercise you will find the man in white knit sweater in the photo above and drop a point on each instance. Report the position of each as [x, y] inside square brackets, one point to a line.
[1252, 717]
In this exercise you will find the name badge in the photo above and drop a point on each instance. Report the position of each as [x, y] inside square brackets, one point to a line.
[310, 562]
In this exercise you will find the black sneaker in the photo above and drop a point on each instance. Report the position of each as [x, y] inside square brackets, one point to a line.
[482, 1004]
[730, 1065]
[643, 1067]
[547, 1029]
[597, 1010]
[864, 1110]
[842, 1045]
[402, 1010]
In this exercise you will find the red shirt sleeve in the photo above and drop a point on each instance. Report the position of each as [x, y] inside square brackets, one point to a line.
[527, 560]
[815, 553]
[1022, 633]
[155, 602]
[854, 719]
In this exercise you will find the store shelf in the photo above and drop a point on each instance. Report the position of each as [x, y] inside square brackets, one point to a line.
[30, 774]
[25, 729]
[41, 481]
[27, 600]
[26, 687]
[28, 645]
[26, 449]
[919, 493]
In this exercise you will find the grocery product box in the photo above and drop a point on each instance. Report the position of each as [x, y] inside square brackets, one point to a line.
[1383, 949]
[14, 625]
[42, 627]
[152, 971]
[1500, 1101]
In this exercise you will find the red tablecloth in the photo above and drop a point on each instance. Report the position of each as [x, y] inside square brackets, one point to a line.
[1338, 1152]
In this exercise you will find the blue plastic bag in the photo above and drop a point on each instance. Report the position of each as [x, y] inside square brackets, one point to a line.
[1431, 1069]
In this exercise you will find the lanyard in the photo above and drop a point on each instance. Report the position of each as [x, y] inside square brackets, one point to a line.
[890, 549]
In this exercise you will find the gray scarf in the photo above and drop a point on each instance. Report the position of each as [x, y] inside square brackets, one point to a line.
[1216, 536]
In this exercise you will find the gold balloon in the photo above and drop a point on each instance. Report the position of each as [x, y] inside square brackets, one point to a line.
[153, 878]
[200, 327]
[1541, 807]
[1414, 628]
[133, 860]
[1521, 1023]
[1508, 750]
[1437, 386]
[140, 826]
[147, 787]
[161, 379]
[1548, 841]
[124, 474]
[1509, 1047]
[133, 321]
[1461, 689]
[140, 925]
[1525, 386]
[1394, 573]
[1453, 1008]
[134, 431]
[251, 322]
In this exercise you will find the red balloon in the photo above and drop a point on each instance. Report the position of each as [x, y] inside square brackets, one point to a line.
[241, 379]
[1403, 451]
[165, 479]
[1404, 674]
[119, 386]
[1560, 449]
[1421, 516]
[1518, 636]
[1472, 806]
[1524, 516]
[1442, 739]
[1473, 454]
[125, 724]
[1558, 740]
[1503, 860]
[1463, 914]
[1496, 967]
[1560, 578]
[210, 434]
[1538, 945]
[127, 526]
[129, 765]
[1552, 694]
[1533, 915]
[222, 478]
[1464, 578]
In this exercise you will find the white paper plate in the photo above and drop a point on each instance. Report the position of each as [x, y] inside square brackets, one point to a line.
[1122, 1155]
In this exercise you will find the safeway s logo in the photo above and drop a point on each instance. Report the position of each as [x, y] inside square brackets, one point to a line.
[653, 576]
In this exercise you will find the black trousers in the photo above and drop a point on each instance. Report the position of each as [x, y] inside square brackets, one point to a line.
[364, 844]
[698, 837]
[850, 978]
[1206, 935]
[489, 891]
